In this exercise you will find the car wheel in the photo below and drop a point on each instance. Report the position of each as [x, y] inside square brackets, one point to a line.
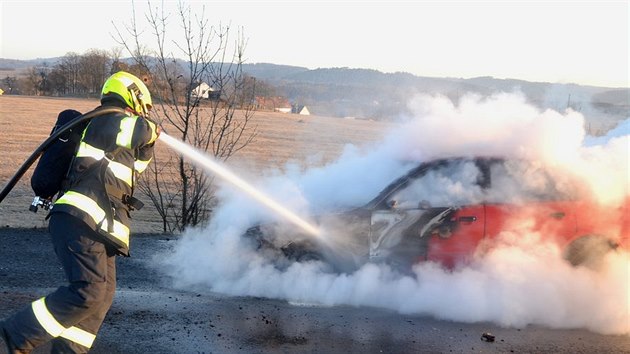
[589, 250]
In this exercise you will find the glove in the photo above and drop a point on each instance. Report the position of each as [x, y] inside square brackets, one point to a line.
[155, 131]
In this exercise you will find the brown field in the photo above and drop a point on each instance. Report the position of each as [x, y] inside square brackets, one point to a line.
[26, 122]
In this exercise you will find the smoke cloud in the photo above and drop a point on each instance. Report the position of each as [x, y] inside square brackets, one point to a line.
[520, 281]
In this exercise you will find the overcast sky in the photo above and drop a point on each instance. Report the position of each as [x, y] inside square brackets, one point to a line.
[584, 42]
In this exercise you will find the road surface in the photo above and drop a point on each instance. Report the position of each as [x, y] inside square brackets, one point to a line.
[150, 316]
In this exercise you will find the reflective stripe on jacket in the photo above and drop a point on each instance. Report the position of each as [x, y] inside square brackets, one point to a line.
[114, 149]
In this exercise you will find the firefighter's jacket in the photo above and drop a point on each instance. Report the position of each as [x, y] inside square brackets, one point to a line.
[114, 150]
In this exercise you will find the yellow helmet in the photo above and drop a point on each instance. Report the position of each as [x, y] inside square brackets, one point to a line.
[131, 90]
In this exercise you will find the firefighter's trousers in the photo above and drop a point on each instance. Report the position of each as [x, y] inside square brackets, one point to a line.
[71, 315]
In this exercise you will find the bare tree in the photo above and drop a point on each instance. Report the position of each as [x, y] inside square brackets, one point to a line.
[11, 85]
[32, 81]
[70, 66]
[37, 80]
[94, 68]
[58, 82]
[217, 122]
[118, 63]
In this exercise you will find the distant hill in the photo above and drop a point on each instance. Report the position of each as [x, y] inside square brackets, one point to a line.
[272, 72]
[366, 93]
[371, 94]
[18, 65]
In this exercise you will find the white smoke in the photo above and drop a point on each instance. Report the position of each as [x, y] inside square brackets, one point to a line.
[520, 281]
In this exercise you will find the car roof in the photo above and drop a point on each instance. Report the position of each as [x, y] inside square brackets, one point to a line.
[482, 162]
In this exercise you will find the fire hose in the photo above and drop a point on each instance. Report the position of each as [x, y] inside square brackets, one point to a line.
[197, 156]
[42, 148]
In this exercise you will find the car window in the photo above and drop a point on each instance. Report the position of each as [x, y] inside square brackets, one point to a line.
[450, 184]
[515, 181]
[466, 182]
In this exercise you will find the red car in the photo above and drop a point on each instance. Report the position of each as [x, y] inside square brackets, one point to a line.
[446, 210]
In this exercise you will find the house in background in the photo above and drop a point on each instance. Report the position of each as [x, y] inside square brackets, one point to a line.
[283, 109]
[300, 109]
[203, 90]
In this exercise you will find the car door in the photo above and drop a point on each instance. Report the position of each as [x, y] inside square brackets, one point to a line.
[534, 220]
[421, 216]
[396, 233]
[454, 242]
[523, 199]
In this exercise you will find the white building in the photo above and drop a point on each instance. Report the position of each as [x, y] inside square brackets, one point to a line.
[299, 109]
[202, 91]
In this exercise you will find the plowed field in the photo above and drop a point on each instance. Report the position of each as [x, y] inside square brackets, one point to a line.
[26, 122]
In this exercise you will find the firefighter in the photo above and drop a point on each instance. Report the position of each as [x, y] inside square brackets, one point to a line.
[89, 224]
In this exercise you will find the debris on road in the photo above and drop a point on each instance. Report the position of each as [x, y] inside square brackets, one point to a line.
[487, 337]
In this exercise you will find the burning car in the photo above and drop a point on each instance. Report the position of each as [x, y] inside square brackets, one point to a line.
[448, 210]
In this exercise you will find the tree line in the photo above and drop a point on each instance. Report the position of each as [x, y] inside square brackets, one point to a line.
[78, 75]
[83, 75]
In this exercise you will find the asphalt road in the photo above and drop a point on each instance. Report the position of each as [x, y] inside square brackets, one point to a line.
[150, 316]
